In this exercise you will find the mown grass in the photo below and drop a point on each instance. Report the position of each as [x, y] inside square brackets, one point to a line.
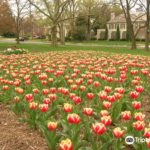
[48, 47]
[105, 42]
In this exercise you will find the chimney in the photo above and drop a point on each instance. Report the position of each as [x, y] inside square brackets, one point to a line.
[112, 16]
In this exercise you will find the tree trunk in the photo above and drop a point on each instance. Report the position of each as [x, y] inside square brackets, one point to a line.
[147, 27]
[54, 35]
[133, 37]
[147, 40]
[62, 36]
[17, 33]
[73, 19]
[18, 42]
[130, 27]
[89, 23]
[89, 28]
[131, 31]
[133, 45]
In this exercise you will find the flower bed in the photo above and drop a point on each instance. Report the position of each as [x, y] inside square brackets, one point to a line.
[80, 100]
[10, 51]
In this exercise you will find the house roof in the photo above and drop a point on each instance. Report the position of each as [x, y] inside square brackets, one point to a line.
[138, 17]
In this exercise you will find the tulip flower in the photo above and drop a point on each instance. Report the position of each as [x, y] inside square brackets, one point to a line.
[144, 71]
[82, 88]
[136, 105]
[43, 107]
[70, 81]
[89, 81]
[106, 104]
[104, 113]
[118, 95]
[107, 89]
[50, 80]
[96, 84]
[16, 99]
[51, 126]
[72, 95]
[45, 91]
[109, 79]
[139, 116]
[76, 100]
[118, 133]
[135, 82]
[66, 145]
[139, 89]
[147, 133]
[98, 128]
[111, 98]
[73, 87]
[67, 107]
[29, 97]
[65, 91]
[35, 91]
[27, 82]
[33, 105]
[5, 87]
[125, 115]
[134, 94]
[52, 96]
[148, 142]
[46, 101]
[73, 118]
[19, 90]
[139, 125]
[102, 95]
[119, 90]
[88, 111]
[52, 90]
[89, 96]
[106, 120]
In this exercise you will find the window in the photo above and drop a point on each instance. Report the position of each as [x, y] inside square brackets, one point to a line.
[110, 26]
[122, 26]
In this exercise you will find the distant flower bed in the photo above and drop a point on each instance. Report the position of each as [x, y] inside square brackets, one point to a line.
[10, 51]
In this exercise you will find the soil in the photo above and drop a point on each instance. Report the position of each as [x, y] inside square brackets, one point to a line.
[16, 135]
[146, 107]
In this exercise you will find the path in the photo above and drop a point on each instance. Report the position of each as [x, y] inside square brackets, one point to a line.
[71, 44]
[17, 136]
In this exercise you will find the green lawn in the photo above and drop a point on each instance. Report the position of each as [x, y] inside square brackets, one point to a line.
[48, 47]
[95, 42]
[101, 42]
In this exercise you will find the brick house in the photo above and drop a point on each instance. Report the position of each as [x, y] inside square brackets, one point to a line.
[120, 21]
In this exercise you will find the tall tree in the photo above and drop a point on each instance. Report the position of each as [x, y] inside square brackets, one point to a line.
[118, 33]
[88, 8]
[72, 12]
[147, 24]
[106, 33]
[144, 6]
[127, 6]
[80, 28]
[7, 21]
[20, 10]
[53, 10]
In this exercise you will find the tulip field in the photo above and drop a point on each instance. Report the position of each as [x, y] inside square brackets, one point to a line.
[80, 100]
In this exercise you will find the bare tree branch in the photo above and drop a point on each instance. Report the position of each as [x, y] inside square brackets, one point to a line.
[142, 4]
[133, 5]
[136, 33]
[40, 10]
[61, 8]
[138, 17]
[48, 9]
